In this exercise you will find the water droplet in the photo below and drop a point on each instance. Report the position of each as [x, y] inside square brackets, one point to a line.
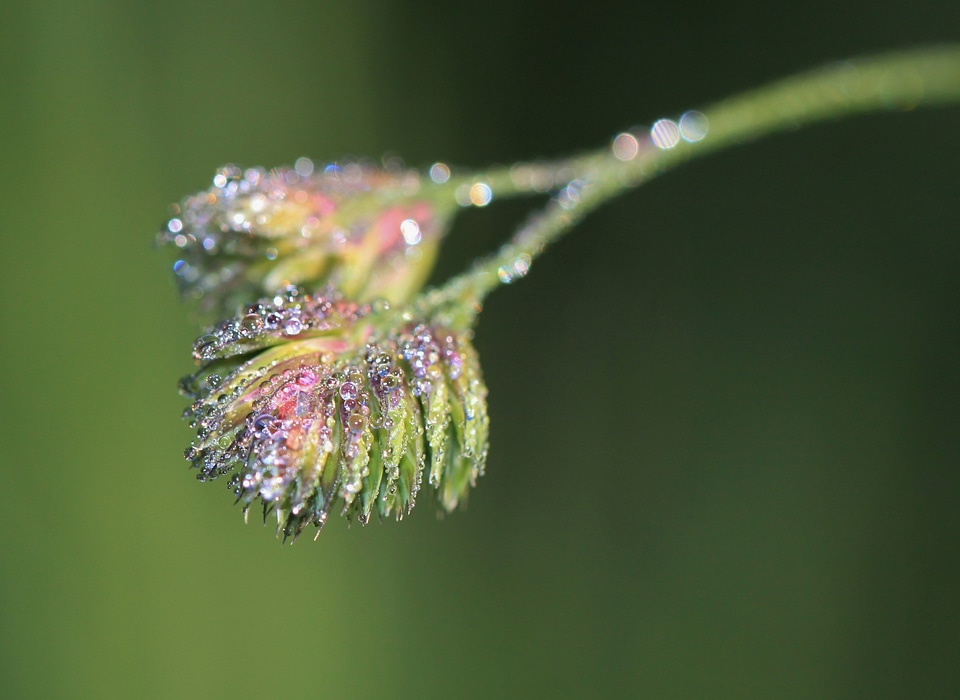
[521, 266]
[389, 382]
[348, 391]
[264, 425]
[251, 325]
[292, 326]
[272, 320]
[410, 230]
[480, 194]
[307, 378]
[693, 126]
[665, 133]
[206, 346]
[356, 422]
[304, 167]
[439, 173]
[625, 146]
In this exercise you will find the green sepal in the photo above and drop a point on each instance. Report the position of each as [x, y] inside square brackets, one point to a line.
[437, 408]
[458, 476]
[355, 467]
[393, 446]
[330, 477]
[370, 494]
[403, 498]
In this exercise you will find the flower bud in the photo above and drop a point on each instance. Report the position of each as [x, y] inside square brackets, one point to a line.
[340, 414]
[370, 232]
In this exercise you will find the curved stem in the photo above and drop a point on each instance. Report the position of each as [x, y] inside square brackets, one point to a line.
[901, 80]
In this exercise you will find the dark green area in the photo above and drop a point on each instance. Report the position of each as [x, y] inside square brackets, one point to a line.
[725, 416]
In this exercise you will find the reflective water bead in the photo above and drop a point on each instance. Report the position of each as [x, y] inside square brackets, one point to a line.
[389, 382]
[264, 424]
[307, 378]
[292, 326]
[250, 325]
[205, 346]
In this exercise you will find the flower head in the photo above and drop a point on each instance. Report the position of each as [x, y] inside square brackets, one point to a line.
[336, 410]
[370, 232]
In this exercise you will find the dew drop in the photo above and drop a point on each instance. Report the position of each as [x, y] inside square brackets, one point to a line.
[303, 166]
[292, 326]
[693, 126]
[625, 146]
[439, 173]
[389, 382]
[206, 346]
[480, 194]
[264, 424]
[665, 133]
[410, 230]
[251, 325]
[307, 378]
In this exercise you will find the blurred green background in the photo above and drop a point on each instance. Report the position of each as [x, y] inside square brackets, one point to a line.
[725, 418]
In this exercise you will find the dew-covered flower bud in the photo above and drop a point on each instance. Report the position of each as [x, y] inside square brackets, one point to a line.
[370, 232]
[315, 405]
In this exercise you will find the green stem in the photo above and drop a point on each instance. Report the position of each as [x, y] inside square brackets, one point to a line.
[901, 80]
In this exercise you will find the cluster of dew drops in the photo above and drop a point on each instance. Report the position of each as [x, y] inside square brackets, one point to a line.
[287, 316]
[335, 391]
[263, 414]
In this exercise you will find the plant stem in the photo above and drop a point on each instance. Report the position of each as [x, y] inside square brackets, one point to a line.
[901, 80]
